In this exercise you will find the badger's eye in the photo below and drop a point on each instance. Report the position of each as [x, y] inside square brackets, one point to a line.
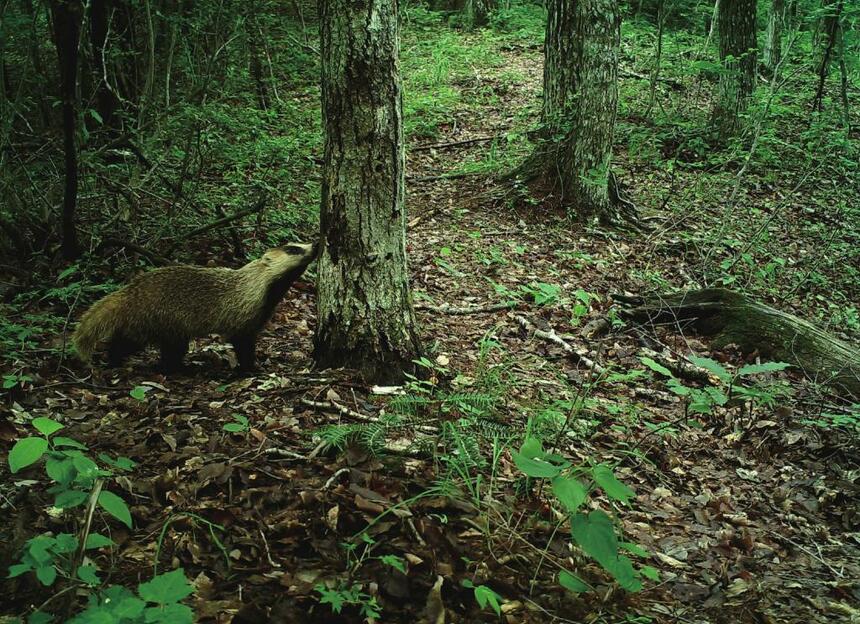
[294, 250]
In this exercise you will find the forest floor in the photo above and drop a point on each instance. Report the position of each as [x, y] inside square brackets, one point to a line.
[750, 513]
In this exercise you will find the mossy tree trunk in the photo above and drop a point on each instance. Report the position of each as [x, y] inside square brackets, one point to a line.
[772, 53]
[580, 105]
[736, 23]
[731, 318]
[365, 317]
[478, 11]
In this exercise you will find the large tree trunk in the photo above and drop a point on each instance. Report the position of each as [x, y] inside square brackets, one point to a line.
[733, 319]
[736, 22]
[772, 53]
[365, 317]
[66, 16]
[478, 11]
[580, 104]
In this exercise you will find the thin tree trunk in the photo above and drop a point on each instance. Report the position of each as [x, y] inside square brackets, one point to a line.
[365, 317]
[773, 37]
[171, 51]
[832, 23]
[580, 106]
[478, 12]
[843, 86]
[106, 101]
[66, 16]
[736, 23]
[655, 70]
[149, 80]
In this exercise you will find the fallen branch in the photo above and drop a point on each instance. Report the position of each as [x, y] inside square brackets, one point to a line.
[118, 243]
[448, 309]
[580, 355]
[731, 318]
[422, 148]
[445, 176]
[345, 411]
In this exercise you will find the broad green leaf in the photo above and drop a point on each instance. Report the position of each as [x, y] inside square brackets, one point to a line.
[486, 596]
[605, 478]
[166, 588]
[595, 534]
[97, 540]
[169, 614]
[767, 367]
[18, 569]
[46, 575]
[40, 617]
[572, 583]
[535, 467]
[636, 549]
[650, 573]
[65, 543]
[570, 492]
[128, 608]
[26, 451]
[70, 498]
[87, 573]
[712, 367]
[60, 470]
[46, 426]
[115, 506]
[393, 561]
[139, 392]
[63, 441]
[86, 467]
[656, 367]
[234, 427]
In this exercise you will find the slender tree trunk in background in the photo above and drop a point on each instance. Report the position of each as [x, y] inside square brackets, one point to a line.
[655, 70]
[255, 68]
[478, 11]
[364, 308]
[772, 52]
[580, 104]
[736, 24]
[106, 101]
[831, 24]
[843, 73]
[66, 16]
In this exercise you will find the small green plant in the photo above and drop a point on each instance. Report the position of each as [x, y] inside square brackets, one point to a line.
[47, 556]
[73, 472]
[542, 294]
[15, 380]
[728, 387]
[485, 596]
[594, 532]
[157, 601]
[240, 424]
[343, 595]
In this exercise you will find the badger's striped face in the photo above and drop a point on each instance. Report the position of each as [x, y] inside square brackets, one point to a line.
[289, 257]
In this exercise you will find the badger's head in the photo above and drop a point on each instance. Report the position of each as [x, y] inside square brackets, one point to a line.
[288, 262]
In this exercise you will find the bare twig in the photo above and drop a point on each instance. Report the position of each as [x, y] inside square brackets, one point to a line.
[580, 355]
[448, 309]
[422, 148]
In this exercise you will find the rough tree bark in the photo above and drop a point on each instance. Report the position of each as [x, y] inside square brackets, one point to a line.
[66, 16]
[478, 11]
[579, 110]
[736, 23]
[772, 53]
[733, 319]
[364, 308]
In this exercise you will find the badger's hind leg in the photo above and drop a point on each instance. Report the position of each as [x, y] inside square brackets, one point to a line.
[119, 348]
[244, 346]
[172, 354]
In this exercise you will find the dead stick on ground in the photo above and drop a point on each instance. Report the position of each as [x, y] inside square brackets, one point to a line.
[578, 354]
[421, 148]
[345, 411]
[448, 309]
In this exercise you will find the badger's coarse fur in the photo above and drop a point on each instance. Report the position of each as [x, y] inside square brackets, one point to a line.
[169, 306]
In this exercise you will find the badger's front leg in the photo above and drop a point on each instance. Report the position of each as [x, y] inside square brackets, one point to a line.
[172, 354]
[244, 346]
[119, 348]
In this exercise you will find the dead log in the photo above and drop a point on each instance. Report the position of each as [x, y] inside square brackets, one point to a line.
[731, 318]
